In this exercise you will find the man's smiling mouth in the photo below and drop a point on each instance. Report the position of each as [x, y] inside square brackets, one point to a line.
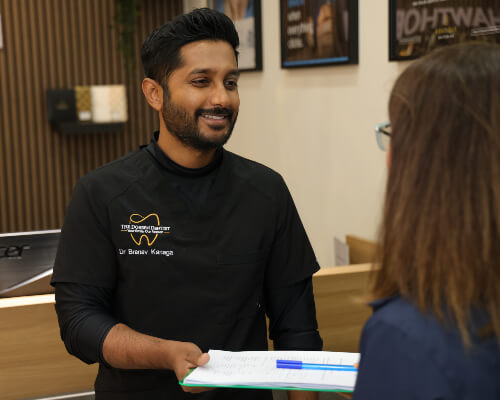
[217, 114]
[215, 117]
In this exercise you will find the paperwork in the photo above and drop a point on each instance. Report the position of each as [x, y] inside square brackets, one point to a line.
[258, 369]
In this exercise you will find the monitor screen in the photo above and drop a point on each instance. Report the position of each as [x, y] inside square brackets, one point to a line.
[26, 262]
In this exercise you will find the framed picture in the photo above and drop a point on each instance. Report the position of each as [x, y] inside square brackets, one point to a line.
[417, 27]
[246, 15]
[318, 32]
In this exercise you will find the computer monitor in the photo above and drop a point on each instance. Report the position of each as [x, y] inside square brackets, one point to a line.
[26, 262]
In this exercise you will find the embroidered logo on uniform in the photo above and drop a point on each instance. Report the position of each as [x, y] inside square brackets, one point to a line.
[144, 229]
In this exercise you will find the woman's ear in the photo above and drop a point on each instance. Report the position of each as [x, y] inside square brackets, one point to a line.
[153, 92]
[388, 157]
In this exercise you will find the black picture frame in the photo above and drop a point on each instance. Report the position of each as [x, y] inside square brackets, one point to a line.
[249, 29]
[306, 23]
[428, 25]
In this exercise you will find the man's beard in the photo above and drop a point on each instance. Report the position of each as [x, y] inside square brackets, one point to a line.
[185, 127]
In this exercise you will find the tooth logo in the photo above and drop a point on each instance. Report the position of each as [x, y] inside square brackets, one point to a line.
[150, 233]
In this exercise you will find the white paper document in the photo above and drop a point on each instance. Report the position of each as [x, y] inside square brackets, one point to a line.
[259, 369]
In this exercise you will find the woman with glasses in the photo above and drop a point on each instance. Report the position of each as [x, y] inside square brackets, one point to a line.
[435, 331]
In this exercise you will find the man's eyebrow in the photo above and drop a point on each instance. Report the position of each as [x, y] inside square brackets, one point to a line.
[200, 71]
[233, 72]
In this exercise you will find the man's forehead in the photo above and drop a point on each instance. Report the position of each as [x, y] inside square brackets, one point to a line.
[209, 55]
[210, 71]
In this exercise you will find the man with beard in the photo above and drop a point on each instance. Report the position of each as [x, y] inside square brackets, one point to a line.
[182, 246]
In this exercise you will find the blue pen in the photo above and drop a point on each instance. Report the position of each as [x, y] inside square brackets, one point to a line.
[291, 364]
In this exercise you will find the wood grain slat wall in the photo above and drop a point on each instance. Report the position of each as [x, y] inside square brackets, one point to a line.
[53, 44]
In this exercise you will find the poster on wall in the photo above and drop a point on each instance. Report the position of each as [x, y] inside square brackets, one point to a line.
[419, 26]
[246, 15]
[318, 32]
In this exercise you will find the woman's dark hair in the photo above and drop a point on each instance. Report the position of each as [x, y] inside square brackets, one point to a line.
[440, 236]
[160, 52]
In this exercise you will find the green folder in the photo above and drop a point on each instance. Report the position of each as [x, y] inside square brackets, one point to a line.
[181, 382]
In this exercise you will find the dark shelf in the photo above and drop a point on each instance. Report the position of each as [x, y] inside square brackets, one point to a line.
[88, 127]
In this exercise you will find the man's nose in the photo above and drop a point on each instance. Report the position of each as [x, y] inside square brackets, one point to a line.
[220, 96]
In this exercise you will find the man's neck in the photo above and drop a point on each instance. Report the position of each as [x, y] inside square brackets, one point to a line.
[181, 154]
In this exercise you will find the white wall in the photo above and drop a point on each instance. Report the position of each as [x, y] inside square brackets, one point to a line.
[315, 126]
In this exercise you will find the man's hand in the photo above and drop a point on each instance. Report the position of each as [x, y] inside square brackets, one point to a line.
[182, 356]
[302, 395]
[127, 349]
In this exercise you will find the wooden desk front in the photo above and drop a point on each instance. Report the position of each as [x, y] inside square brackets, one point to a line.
[34, 361]
[341, 310]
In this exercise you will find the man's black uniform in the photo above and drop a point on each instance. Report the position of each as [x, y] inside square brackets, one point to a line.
[190, 255]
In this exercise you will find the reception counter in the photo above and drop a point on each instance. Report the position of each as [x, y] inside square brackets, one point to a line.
[34, 361]
[341, 295]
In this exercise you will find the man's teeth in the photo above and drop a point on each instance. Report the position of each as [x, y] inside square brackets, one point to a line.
[218, 117]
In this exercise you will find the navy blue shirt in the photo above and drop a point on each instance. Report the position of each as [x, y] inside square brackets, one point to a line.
[406, 354]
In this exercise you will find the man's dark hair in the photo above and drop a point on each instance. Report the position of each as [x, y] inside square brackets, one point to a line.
[160, 52]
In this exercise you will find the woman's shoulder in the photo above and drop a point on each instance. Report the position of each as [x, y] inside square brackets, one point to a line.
[423, 327]
[398, 323]
[404, 322]
[400, 313]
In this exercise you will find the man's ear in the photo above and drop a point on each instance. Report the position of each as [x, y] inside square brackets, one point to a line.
[153, 92]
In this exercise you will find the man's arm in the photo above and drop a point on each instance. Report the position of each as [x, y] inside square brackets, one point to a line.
[293, 324]
[292, 316]
[93, 335]
[289, 298]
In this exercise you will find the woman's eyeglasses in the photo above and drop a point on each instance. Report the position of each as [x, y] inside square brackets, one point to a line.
[383, 135]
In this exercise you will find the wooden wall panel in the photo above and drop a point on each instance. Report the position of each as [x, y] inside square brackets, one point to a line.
[52, 44]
